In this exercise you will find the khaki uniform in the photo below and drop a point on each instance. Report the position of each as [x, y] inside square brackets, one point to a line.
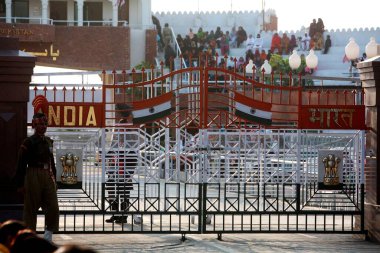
[36, 172]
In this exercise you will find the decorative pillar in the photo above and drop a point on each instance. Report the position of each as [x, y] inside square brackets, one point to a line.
[140, 14]
[115, 17]
[16, 70]
[44, 4]
[146, 14]
[370, 76]
[80, 12]
[8, 11]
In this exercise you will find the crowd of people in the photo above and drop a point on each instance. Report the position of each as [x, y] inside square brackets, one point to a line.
[195, 42]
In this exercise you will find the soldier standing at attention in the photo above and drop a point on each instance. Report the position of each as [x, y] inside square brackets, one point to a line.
[36, 173]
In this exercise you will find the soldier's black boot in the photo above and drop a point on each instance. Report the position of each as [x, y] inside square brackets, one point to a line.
[121, 219]
[112, 219]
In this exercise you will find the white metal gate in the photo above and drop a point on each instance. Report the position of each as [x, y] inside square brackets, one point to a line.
[226, 174]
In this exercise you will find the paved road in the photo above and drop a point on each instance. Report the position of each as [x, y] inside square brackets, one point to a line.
[283, 243]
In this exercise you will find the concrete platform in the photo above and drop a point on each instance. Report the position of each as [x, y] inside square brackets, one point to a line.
[230, 243]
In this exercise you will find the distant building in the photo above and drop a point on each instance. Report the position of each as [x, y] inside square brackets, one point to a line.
[252, 21]
[85, 34]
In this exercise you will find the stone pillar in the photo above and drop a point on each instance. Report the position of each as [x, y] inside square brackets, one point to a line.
[80, 12]
[16, 70]
[134, 11]
[115, 13]
[44, 4]
[140, 14]
[370, 77]
[8, 11]
[146, 14]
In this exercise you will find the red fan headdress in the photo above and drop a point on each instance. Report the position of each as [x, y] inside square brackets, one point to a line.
[40, 104]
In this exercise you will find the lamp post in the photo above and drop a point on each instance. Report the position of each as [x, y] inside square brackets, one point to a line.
[311, 60]
[263, 5]
[371, 49]
[249, 67]
[294, 60]
[266, 67]
[352, 50]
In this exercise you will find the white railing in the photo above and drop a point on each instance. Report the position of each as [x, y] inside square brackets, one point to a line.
[49, 21]
[177, 48]
[79, 77]
[89, 22]
[28, 20]
[136, 26]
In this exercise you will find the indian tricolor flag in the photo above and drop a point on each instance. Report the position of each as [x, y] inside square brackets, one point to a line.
[251, 110]
[151, 109]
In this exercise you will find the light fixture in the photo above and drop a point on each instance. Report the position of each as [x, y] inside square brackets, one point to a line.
[352, 50]
[266, 67]
[294, 60]
[312, 60]
[249, 67]
[371, 48]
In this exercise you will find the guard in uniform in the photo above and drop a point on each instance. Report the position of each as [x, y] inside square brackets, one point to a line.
[36, 173]
[121, 167]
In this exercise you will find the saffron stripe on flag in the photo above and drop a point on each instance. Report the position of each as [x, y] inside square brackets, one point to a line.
[251, 110]
[152, 109]
[240, 98]
[152, 101]
[254, 115]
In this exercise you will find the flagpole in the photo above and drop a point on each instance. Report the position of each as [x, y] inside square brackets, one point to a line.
[263, 6]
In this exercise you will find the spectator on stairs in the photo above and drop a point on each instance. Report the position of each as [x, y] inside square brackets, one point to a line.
[233, 38]
[318, 41]
[167, 34]
[276, 43]
[269, 55]
[327, 44]
[250, 43]
[191, 34]
[292, 43]
[285, 43]
[224, 45]
[218, 35]
[305, 45]
[180, 42]
[313, 28]
[320, 26]
[263, 56]
[169, 56]
[257, 59]
[240, 64]
[200, 35]
[241, 36]
[258, 42]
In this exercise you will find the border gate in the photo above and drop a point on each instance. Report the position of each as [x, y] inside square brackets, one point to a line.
[216, 152]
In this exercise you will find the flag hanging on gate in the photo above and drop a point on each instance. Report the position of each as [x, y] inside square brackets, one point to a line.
[152, 109]
[251, 110]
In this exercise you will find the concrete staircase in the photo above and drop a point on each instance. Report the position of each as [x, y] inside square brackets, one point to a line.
[329, 65]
